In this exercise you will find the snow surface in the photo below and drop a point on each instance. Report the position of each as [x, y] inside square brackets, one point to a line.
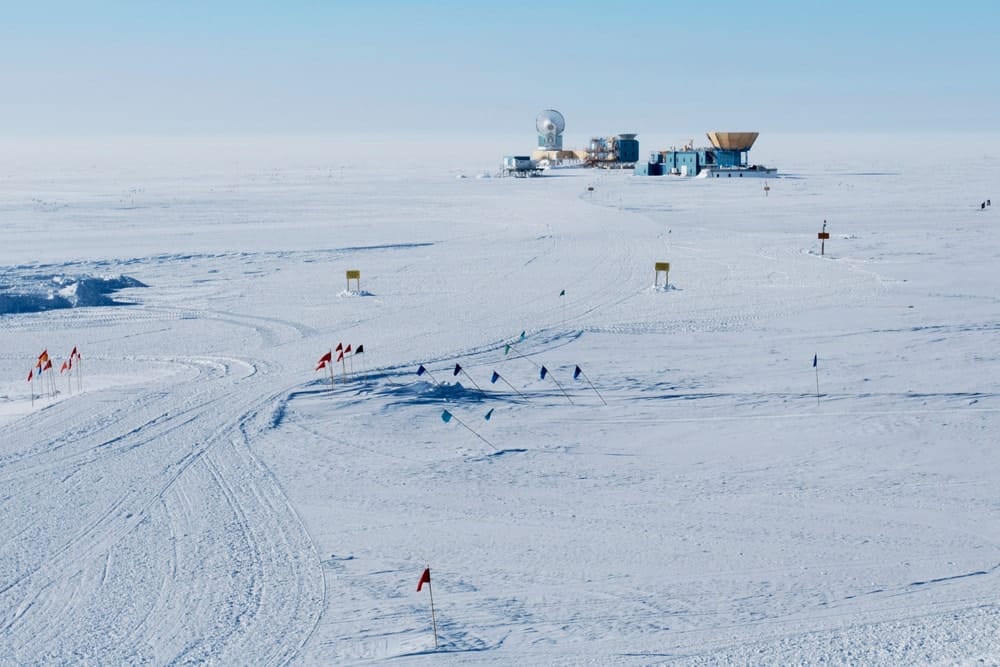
[210, 498]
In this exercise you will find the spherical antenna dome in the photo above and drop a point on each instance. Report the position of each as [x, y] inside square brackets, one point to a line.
[550, 121]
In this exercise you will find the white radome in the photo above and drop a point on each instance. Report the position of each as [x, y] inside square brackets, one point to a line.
[550, 121]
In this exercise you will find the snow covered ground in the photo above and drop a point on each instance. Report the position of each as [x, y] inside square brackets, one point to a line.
[210, 498]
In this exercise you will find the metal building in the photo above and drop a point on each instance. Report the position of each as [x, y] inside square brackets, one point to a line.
[725, 158]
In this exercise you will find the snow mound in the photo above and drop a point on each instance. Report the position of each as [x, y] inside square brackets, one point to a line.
[37, 293]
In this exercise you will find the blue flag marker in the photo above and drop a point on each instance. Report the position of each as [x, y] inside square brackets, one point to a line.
[522, 335]
[458, 368]
[421, 370]
[576, 373]
[815, 359]
[489, 414]
[562, 293]
[496, 376]
[446, 416]
[542, 373]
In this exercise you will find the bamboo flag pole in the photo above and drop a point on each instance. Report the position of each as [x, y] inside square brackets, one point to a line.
[545, 371]
[579, 371]
[496, 376]
[422, 369]
[447, 417]
[425, 578]
[79, 372]
[459, 369]
[364, 372]
[816, 368]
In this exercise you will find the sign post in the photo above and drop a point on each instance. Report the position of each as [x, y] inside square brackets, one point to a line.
[823, 236]
[663, 267]
[355, 275]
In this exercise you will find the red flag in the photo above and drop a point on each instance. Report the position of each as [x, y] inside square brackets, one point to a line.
[425, 578]
[73, 353]
[31, 374]
[340, 357]
[347, 349]
[43, 357]
[321, 366]
[64, 367]
[48, 365]
[340, 346]
[325, 358]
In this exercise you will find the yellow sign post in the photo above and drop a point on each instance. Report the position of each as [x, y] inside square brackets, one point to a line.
[663, 267]
[355, 275]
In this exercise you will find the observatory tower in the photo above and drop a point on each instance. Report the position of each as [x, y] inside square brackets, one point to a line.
[550, 124]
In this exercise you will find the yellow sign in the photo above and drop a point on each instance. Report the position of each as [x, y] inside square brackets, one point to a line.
[663, 266]
[354, 275]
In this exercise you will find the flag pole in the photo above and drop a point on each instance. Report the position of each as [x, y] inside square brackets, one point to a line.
[500, 377]
[562, 390]
[79, 372]
[447, 415]
[434, 379]
[430, 589]
[31, 379]
[592, 385]
[471, 380]
[816, 368]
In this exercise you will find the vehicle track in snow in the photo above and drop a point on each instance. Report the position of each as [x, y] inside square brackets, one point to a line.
[143, 514]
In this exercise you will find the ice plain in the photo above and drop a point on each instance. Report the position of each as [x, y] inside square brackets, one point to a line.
[210, 498]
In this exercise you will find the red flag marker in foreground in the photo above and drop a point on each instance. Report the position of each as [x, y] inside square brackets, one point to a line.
[425, 578]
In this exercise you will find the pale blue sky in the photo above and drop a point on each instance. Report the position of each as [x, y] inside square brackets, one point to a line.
[431, 68]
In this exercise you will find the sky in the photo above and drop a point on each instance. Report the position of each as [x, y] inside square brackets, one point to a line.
[451, 69]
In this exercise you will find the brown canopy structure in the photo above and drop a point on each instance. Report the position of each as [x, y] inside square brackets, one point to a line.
[733, 141]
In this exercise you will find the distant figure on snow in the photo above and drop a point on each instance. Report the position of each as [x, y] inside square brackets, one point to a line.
[982, 207]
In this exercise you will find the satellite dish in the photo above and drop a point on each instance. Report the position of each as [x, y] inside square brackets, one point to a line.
[550, 121]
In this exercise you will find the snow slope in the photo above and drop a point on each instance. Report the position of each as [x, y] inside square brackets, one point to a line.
[210, 498]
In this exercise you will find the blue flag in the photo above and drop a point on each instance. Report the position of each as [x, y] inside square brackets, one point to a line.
[542, 373]
[496, 376]
[815, 359]
[562, 293]
[457, 369]
[506, 349]
[489, 414]
[446, 416]
[576, 373]
[421, 370]
[522, 335]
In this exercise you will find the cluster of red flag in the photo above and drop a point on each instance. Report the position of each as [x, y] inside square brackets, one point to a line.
[44, 363]
[341, 351]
